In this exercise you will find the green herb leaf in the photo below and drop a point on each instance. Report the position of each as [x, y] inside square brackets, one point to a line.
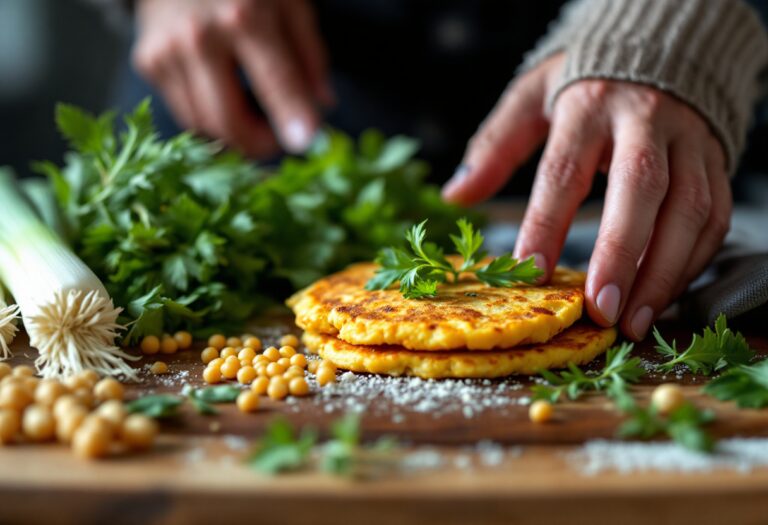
[280, 449]
[505, 270]
[216, 394]
[156, 406]
[746, 385]
[684, 425]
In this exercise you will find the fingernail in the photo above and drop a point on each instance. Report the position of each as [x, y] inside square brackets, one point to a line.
[641, 321]
[455, 181]
[608, 301]
[541, 263]
[297, 136]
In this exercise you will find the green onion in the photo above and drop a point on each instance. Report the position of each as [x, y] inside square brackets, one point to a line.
[66, 310]
[8, 329]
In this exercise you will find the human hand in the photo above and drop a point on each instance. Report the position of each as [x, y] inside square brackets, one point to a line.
[668, 201]
[191, 51]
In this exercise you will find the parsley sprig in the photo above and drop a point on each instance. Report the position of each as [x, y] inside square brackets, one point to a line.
[619, 370]
[746, 385]
[685, 425]
[709, 352]
[422, 266]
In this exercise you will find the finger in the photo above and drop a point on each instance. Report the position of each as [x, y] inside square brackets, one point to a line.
[223, 109]
[712, 235]
[637, 183]
[276, 78]
[510, 134]
[682, 216]
[562, 182]
[302, 30]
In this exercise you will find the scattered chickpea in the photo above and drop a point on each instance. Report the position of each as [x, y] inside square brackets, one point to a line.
[159, 367]
[84, 396]
[212, 375]
[259, 385]
[168, 345]
[272, 353]
[14, 396]
[313, 365]
[217, 341]
[229, 368]
[275, 369]
[38, 424]
[48, 391]
[540, 411]
[216, 363]
[284, 362]
[30, 383]
[261, 360]
[261, 370]
[253, 342]
[289, 340]
[76, 381]
[5, 370]
[65, 404]
[113, 412]
[287, 351]
[246, 375]
[91, 441]
[183, 339]
[69, 421]
[23, 371]
[667, 397]
[293, 371]
[325, 375]
[110, 388]
[298, 387]
[150, 345]
[234, 341]
[277, 388]
[139, 431]
[299, 360]
[209, 354]
[10, 423]
[227, 352]
[89, 377]
[246, 353]
[248, 401]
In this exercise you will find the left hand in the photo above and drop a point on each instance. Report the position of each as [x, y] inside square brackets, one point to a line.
[667, 204]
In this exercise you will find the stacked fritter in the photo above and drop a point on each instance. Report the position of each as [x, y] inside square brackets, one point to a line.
[468, 330]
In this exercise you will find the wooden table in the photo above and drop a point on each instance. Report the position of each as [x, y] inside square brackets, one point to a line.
[196, 474]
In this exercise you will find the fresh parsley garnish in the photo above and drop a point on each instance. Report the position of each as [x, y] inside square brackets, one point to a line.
[156, 406]
[422, 266]
[203, 399]
[282, 449]
[684, 425]
[709, 352]
[746, 385]
[619, 370]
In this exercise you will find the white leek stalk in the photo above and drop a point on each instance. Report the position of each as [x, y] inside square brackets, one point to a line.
[66, 310]
[8, 328]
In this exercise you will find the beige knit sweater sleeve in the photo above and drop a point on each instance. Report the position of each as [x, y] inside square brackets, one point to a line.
[709, 53]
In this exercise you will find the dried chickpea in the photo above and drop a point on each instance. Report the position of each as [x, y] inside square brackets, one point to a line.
[298, 387]
[540, 411]
[217, 341]
[76, 381]
[667, 397]
[261, 360]
[48, 391]
[284, 362]
[209, 354]
[260, 385]
[252, 342]
[325, 376]
[313, 365]
[183, 339]
[15, 396]
[287, 351]
[246, 375]
[293, 371]
[168, 345]
[139, 431]
[10, 424]
[69, 421]
[216, 363]
[30, 383]
[91, 441]
[234, 341]
[227, 352]
[5, 370]
[246, 353]
[277, 388]
[327, 364]
[272, 353]
[150, 345]
[289, 340]
[113, 412]
[229, 368]
[110, 388]
[23, 371]
[159, 367]
[299, 360]
[247, 401]
[37, 423]
[261, 370]
[90, 377]
[84, 396]
[275, 369]
[65, 404]
[212, 375]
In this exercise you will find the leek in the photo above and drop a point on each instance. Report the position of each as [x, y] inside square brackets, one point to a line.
[8, 329]
[66, 310]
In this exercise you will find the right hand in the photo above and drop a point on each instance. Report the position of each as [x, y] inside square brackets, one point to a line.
[191, 51]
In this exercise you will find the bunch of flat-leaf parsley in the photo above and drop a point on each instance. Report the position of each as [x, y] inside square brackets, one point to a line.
[421, 266]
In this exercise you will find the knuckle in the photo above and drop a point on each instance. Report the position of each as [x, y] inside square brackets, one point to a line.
[145, 61]
[612, 247]
[562, 174]
[195, 34]
[662, 282]
[588, 94]
[645, 174]
[695, 203]
[720, 222]
[537, 221]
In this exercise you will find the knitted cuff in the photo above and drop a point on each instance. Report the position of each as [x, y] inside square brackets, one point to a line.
[708, 53]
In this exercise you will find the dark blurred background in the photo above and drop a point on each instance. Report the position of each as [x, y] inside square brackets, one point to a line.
[427, 68]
